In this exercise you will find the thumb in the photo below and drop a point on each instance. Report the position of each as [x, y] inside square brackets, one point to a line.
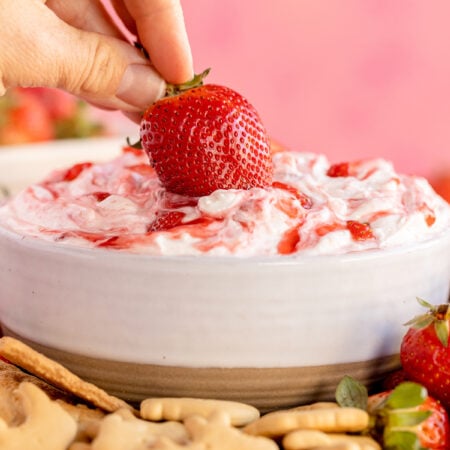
[39, 49]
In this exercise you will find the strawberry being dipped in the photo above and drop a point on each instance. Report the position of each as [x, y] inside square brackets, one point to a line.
[425, 353]
[200, 138]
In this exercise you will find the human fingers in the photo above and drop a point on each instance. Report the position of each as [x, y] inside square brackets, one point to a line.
[88, 15]
[48, 52]
[161, 30]
[134, 116]
[124, 15]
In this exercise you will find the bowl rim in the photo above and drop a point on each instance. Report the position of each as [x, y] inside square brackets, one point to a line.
[38, 244]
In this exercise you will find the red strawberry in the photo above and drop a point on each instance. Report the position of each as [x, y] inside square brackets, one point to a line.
[394, 379]
[398, 415]
[425, 354]
[403, 418]
[59, 104]
[339, 170]
[42, 114]
[359, 231]
[166, 221]
[204, 138]
[23, 119]
[73, 172]
[441, 184]
[100, 196]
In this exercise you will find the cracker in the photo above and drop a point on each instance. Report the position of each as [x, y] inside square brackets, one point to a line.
[333, 420]
[216, 433]
[119, 431]
[54, 373]
[316, 405]
[179, 408]
[46, 426]
[11, 410]
[306, 439]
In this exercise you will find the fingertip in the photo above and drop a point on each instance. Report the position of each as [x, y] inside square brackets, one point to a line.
[135, 117]
[178, 73]
[162, 32]
[172, 59]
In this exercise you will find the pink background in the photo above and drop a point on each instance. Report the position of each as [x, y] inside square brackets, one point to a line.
[347, 78]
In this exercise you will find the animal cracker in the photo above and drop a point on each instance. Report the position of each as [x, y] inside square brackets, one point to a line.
[333, 419]
[54, 373]
[180, 408]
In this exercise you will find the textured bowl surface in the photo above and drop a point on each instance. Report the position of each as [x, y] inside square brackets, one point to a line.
[269, 331]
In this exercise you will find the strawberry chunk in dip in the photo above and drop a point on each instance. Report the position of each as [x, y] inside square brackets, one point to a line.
[312, 208]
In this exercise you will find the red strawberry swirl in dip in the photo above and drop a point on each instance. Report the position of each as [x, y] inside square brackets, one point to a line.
[311, 208]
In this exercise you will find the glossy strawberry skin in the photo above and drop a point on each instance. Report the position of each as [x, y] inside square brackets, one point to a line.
[426, 361]
[204, 139]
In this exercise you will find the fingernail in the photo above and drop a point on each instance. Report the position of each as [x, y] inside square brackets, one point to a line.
[140, 86]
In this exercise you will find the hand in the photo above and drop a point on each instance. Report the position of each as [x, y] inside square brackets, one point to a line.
[77, 46]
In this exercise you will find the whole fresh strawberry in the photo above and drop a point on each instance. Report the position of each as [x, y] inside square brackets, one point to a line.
[200, 138]
[404, 418]
[408, 414]
[425, 354]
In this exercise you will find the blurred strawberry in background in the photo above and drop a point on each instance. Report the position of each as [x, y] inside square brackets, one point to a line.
[41, 114]
[441, 184]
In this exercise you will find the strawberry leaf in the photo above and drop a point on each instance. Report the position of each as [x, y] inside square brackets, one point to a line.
[441, 329]
[407, 395]
[402, 419]
[401, 440]
[350, 392]
[421, 321]
[424, 303]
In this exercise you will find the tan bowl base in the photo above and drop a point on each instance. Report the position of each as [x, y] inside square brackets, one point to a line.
[266, 389]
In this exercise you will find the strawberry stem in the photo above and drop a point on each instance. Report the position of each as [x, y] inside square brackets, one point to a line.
[436, 315]
[137, 145]
[197, 80]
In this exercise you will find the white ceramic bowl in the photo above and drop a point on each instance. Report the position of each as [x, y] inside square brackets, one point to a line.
[269, 331]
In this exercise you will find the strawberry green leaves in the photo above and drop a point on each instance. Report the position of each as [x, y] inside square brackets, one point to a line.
[400, 417]
[397, 416]
[351, 393]
[438, 316]
[407, 395]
